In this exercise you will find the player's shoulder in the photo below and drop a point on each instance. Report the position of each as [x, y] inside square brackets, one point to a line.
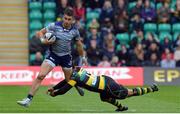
[58, 23]
[75, 27]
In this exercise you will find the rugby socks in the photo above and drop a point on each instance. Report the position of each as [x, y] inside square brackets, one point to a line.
[30, 96]
[141, 91]
[114, 102]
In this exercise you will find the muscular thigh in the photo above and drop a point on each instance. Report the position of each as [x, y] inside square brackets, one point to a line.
[116, 90]
[67, 73]
[45, 68]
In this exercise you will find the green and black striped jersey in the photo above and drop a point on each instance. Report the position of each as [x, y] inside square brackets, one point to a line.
[89, 81]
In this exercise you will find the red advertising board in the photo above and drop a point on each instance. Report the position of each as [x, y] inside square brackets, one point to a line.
[25, 75]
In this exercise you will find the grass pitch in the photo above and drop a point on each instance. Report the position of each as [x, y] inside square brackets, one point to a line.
[166, 100]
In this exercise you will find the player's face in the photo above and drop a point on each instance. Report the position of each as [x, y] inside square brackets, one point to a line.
[67, 21]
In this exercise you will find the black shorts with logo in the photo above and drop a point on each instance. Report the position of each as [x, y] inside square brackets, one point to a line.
[64, 61]
[114, 90]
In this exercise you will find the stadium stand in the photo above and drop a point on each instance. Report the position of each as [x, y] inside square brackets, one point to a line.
[13, 32]
[130, 25]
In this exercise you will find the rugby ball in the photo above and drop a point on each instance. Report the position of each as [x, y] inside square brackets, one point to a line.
[50, 37]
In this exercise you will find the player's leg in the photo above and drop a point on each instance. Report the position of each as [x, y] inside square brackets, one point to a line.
[46, 67]
[142, 90]
[120, 92]
[66, 64]
[106, 98]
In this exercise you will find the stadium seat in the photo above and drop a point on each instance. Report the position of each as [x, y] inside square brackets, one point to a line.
[176, 28]
[91, 15]
[35, 25]
[131, 5]
[150, 27]
[35, 6]
[163, 35]
[176, 35]
[47, 23]
[35, 15]
[49, 6]
[49, 15]
[155, 35]
[118, 47]
[32, 33]
[158, 6]
[153, 4]
[173, 4]
[123, 38]
[164, 28]
[32, 57]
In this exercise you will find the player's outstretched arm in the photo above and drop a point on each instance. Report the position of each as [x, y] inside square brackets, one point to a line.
[60, 88]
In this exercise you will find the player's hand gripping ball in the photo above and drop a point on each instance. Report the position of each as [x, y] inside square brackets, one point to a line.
[50, 37]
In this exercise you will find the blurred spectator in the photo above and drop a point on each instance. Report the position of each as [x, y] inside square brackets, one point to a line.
[164, 13]
[94, 53]
[165, 53]
[153, 48]
[150, 38]
[119, 7]
[138, 37]
[106, 27]
[61, 6]
[154, 62]
[93, 35]
[94, 5]
[35, 45]
[137, 22]
[79, 10]
[177, 56]
[94, 24]
[105, 62]
[115, 62]
[162, 1]
[137, 56]
[38, 59]
[168, 62]
[137, 9]
[166, 44]
[121, 23]
[109, 46]
[176, 13]
[107, 12]
[148, 13]
[80, 25]
[123, 56]
[177, 41]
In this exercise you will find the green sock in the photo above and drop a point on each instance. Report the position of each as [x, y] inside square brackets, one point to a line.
[114, 102]
[142, 90]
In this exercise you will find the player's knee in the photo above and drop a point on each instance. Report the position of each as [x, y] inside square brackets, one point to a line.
[123, 94]
[67, 79]
[41, 76]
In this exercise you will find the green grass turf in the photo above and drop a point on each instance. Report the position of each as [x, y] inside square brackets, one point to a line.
[166, 100]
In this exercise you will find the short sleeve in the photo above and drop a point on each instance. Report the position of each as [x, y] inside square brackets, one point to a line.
[50, 27]
[77, 35]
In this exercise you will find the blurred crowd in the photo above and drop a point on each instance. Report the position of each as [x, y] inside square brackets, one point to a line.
[100, 22]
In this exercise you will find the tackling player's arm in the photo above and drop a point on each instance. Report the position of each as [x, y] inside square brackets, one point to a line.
[61, 89]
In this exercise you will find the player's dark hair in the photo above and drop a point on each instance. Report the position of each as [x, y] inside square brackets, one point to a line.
[69, 11]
